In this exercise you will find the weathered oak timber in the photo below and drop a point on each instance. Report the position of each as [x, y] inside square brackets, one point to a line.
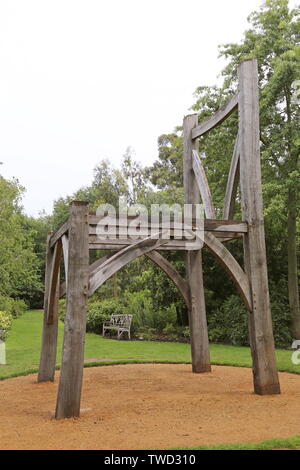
[232, 267]
[217, 118]
[197, 313]
[49, 336]
[120, 259]
[80, 234]
[65, 247]
[59, 233]
[53, 282]
[232, 183]
[260, 322]
[92, 269]
[203, 186]
[70, 384]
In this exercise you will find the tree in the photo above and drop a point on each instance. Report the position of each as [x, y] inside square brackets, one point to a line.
[274, 40]
[19, 267]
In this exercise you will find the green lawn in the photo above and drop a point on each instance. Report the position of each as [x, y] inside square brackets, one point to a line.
[23, 350]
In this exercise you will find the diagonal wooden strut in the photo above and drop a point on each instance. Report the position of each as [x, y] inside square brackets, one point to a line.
[203, 186]
[232, 182]
[65, 248]
[53, 281]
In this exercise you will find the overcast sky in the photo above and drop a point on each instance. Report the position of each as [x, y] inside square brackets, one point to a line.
[81, 80]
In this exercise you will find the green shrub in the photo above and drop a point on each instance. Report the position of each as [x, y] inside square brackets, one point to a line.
[176, 332]
[140, 305]
[281, 315]
[160, 319]
[229, 324]
[98, 311]
[145, 333]
[5, 324]
[101, 311]
[15, 307]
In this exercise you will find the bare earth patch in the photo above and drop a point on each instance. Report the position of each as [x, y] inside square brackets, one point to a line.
[149, 406]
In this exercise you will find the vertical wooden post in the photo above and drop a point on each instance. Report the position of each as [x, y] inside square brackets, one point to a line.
[265, 374]
[70, 384]
[49, 338]
[197, 313]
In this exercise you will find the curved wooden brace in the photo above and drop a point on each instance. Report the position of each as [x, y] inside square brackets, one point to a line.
[96, 264]
[203, 186]
[217, 118]
[233, 268]
[92, 268]
[120, 259]
[232, 183]
[172, 274]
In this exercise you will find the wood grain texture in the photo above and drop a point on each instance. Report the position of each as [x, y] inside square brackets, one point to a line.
[53, 282]
[120, 259]
[232, 182]
[203, 186]
[260, 322]
[197, 312]
[65, 247]
[216, 225]
[49, 336]
[59, 233]
[217, 118]
[232, 267]
[70, 384]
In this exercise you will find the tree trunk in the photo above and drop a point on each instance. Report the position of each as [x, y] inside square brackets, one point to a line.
[292, 265]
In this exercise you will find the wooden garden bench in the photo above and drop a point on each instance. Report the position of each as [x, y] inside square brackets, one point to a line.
[121, 323]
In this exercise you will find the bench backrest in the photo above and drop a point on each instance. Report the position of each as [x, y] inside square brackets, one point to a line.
[121, 320]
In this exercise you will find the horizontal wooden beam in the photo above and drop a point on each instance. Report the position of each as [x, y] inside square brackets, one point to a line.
[220, 225]
[215, 225]
[217, 118]
[117, 244]
[224, 229]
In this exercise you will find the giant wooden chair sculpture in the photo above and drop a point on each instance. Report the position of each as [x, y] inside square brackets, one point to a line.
[77, 236]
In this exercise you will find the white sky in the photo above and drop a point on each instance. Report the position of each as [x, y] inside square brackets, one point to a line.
[81, 80]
